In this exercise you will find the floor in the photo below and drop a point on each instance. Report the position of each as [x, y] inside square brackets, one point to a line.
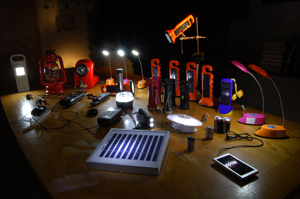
[19, 180]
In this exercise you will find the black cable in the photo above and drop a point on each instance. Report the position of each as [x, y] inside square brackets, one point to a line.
[61, 117]
[247, 136]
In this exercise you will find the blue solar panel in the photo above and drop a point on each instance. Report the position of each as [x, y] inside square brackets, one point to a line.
[129, 147]
[118, 146]
[151, 149]
[113, 145]
[124, 145]
[133, 151]
[108, 144]
[133, 146]
[157, 148]
[140, 147]
[146, 147]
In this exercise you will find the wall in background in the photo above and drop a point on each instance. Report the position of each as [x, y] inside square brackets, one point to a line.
[19, 35]
[278, 21]
[68, 27]
[70, 38]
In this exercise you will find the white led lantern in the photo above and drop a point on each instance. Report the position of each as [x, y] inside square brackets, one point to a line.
[18, 62]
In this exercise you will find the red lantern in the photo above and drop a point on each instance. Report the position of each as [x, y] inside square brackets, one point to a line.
[51, 75]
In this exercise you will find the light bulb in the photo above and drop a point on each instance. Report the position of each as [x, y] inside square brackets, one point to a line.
[121, 53]
[105, 52]
[135, 52]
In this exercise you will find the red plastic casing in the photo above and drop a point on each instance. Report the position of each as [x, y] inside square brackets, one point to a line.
[89, 79]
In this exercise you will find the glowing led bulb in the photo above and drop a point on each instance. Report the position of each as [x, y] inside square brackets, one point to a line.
[121, 53]
[105, 52]
[135, 52]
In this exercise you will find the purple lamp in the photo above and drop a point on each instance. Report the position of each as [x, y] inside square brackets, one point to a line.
[251, 118]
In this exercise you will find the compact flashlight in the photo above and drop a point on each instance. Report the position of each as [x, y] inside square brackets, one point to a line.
[145, 119]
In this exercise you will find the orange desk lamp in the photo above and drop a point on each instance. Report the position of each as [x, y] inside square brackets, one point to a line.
[174, 74]
[109, 81]
[141, 83]
[179, 29]
[270, 130]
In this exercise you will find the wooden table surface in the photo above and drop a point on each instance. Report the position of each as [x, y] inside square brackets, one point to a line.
[58, 156]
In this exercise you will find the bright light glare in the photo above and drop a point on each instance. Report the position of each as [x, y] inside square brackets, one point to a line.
[121, 53]
[20, 71]
[135, 52]
[105, 52]
[110, 109]
[124, 96]
[151, 125]
[151, 120]
[26, 108]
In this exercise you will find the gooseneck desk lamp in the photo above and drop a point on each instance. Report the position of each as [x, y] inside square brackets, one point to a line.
[251, 118]
[141, 83]
[270, 130]
[121, 53]
[109, 81]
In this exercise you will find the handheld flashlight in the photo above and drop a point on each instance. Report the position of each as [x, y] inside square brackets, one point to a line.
[145, 119]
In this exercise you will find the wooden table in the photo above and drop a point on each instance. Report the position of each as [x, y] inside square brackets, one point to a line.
[58, 156]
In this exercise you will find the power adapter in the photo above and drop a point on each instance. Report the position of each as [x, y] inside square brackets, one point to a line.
[109, 117]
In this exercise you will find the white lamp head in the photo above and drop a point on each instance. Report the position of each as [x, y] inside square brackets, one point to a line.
[136, 53]
[121, 53]
[105, 52]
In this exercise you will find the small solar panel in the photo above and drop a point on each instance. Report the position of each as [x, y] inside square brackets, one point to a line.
[206, 86]
[191, 81]
[185, 25]
[131, 151]
[174, 75]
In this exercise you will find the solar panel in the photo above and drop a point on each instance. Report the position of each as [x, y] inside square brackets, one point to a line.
[131, 151]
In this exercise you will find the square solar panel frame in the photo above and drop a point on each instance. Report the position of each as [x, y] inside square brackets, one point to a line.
[130, 151]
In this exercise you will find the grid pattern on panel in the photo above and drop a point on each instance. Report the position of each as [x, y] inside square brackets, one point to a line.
[127, 146]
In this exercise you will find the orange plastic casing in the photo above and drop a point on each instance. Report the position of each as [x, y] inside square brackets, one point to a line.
[191, 66]
[179, 29]
[259, 70]
[271, 131]
[154, 63]
[207, 100]
[175, 75]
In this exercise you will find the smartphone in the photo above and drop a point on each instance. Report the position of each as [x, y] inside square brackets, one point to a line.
[235, 166]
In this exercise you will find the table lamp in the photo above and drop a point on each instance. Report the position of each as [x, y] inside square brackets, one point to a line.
[141, 83]
[121, 53]
[110, 80]
[251, 118]
[270, 130]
